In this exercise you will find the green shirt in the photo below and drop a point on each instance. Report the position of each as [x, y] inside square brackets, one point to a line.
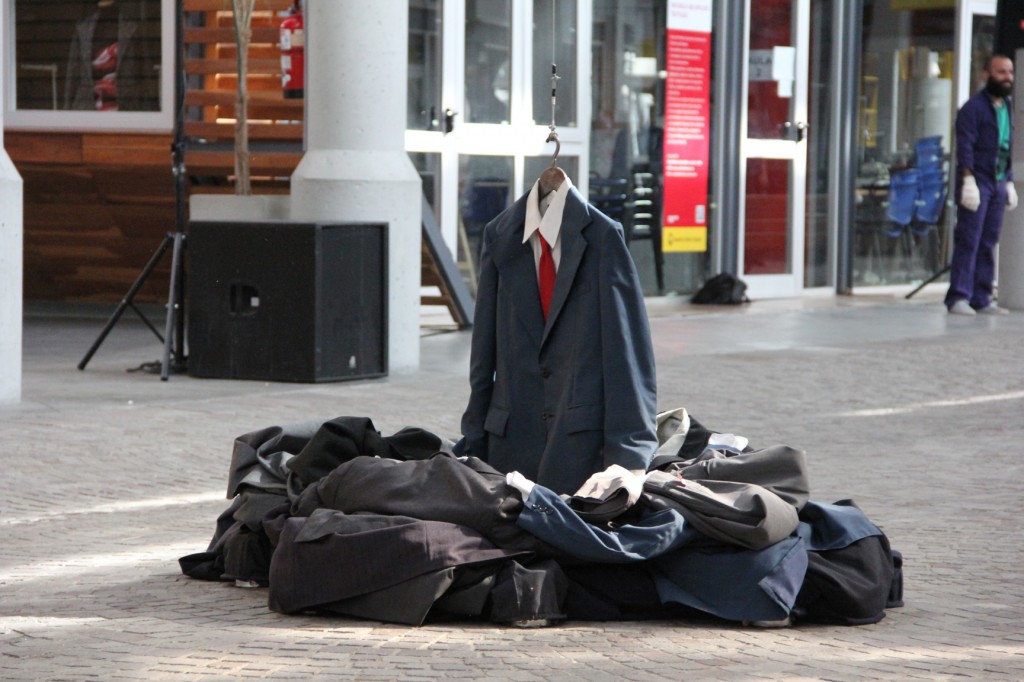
[1003, 157]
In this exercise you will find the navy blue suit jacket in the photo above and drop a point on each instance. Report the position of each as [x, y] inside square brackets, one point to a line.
[562, 399]
[977, 140]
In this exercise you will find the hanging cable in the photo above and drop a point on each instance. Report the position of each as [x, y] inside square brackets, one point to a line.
[553, 133]
[553, 176]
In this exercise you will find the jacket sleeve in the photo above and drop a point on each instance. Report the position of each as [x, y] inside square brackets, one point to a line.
[483, 352]
[630, 391]
[966, 138]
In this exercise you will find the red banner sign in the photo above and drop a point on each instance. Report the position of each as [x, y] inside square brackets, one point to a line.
[687, 126]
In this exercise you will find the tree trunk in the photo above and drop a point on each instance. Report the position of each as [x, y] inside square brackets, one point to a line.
[242, 16]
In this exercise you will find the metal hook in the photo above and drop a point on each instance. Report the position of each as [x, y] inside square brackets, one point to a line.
[553, 137]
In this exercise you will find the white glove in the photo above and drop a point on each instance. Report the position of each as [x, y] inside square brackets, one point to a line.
[604, 484]
[520, 483]
[970, 197]
[1011, 196]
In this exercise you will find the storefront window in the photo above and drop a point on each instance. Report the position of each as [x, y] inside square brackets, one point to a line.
[91, 56]
[904, 143]
[101, 58]
[488, 75]
[625, 85]
[818, 263]
[628, 113]
[485, 190]
[554, 42]
[424, 102]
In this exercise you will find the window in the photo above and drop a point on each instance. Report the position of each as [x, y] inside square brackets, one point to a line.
[905, 137]
[89, 63]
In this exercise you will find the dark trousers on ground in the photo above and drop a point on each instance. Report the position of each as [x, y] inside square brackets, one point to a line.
[972, 269]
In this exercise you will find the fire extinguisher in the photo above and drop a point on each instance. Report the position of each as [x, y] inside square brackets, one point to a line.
[293, 57]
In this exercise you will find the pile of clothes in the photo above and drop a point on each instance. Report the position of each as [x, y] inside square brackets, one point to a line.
[333, 517]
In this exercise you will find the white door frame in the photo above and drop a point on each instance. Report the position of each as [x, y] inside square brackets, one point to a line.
[963, 88]
[791, 283]
[521, 137]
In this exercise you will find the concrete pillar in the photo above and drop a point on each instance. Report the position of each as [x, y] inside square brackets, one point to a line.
[1010, 288]
[355, 168]
[10, 266]
[1010, 266]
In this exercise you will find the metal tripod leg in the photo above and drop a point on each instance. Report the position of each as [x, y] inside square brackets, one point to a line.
[128, 301]
[928, 281]
[174, 313]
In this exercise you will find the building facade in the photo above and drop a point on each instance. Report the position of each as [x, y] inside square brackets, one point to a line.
[824, 116]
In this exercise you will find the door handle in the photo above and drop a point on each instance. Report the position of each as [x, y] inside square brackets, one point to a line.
[449, 120]
[795, 132]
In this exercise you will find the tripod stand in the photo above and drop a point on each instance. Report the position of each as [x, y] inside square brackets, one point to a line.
[928, 281]
[173, 337]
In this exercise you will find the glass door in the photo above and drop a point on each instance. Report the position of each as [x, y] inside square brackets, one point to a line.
[481, 106]
[774, 149]
[975, 40]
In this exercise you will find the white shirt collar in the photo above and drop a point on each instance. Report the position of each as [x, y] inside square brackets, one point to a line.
[551, 222]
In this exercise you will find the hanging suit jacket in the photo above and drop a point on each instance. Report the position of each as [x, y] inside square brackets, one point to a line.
[562, 399]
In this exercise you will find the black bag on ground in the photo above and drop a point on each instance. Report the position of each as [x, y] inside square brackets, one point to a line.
[722, 289]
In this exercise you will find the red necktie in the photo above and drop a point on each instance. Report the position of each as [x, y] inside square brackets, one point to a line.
[546, 275]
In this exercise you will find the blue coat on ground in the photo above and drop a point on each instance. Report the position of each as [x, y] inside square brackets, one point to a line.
[562, 399]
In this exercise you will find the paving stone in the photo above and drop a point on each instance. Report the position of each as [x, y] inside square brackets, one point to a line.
[110, 476]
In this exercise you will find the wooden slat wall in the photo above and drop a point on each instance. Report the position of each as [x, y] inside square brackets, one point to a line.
[211, 65]
[96, 207]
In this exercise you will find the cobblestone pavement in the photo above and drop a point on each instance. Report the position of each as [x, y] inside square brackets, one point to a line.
[109, 476]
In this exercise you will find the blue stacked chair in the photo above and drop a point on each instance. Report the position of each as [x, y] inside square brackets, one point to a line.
[931, 199]
[902, 201]
[900, 207]
[928, 153]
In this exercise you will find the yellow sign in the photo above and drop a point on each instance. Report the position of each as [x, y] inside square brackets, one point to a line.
[677, 239]
[922, 4]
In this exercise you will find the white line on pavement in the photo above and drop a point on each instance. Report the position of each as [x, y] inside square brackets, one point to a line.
[114, 507]
[913, 407]
[84, 564]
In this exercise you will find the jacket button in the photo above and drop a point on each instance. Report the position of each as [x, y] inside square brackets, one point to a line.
[546, 373]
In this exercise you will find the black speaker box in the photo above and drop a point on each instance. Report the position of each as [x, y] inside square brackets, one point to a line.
[287, 302]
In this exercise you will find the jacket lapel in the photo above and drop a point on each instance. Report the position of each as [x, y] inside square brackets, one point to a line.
[518, 273]
[574, 219]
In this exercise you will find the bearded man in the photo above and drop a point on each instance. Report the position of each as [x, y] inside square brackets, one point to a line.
[984, 186]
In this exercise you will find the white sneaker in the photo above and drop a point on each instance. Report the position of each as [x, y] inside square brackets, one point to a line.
[961, 307]
[993, 309]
